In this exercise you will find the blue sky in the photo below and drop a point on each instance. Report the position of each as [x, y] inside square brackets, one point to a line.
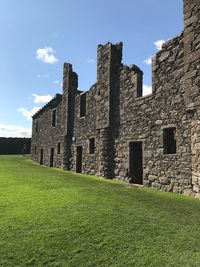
[38, 36]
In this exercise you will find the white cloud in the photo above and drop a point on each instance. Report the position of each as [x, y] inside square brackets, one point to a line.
[28, 113]
[148, 61]
[90, 60]
[42, 75]
[14, 131]
[42, 98]
[56, 82]
[159, 44]
[147, 90]
[46, 55]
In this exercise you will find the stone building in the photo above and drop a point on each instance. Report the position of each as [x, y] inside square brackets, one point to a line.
[113, 131]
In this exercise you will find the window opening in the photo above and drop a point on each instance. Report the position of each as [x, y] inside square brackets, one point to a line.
[54, 117]
[91, 145]
[169, 141]
[82, 105]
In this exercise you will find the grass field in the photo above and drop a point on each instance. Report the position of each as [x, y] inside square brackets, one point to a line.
[49, 217]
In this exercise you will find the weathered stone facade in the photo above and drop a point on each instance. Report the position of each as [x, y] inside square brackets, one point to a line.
[115, 132]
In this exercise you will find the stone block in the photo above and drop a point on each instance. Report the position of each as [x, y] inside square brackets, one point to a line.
[152, 178]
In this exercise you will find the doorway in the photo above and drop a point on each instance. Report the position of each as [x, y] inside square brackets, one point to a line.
[136, 162]
[41, 156]
[51, 157]
[79, 152]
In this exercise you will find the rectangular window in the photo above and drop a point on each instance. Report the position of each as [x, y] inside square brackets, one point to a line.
[54, 117]
[58, 148]
[91, 145]
[36, 126]
[169, 141]
[139, 84]
[35, 150]
[82, 105]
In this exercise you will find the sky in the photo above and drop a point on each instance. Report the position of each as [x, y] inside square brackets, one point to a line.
[38, 36]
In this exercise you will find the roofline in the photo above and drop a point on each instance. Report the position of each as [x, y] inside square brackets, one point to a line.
[40, 111]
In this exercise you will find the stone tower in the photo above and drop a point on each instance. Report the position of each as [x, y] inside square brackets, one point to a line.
[70, 84]
[108, 64]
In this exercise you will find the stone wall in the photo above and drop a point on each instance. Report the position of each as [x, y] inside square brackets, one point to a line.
[84, 129]
[144, 118]
[118, 117]
[15, 145]
[192, 82]
[46, 136]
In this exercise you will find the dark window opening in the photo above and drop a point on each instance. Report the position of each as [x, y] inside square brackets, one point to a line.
[136, 162]
[83, 105]
[35, 150]
[41, 156]
[36, 127]
[139, 84]
[169, 141]
[54, 117]
[58, 149]
[91, 145]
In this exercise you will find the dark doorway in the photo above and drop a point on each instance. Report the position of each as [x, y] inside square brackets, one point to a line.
[79, 151]
[135, 162]
[41, 156]
[51, 157]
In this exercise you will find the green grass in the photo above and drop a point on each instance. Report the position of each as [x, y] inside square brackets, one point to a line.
[49, 217]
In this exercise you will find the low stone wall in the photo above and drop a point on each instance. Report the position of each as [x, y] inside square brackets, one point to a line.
[15, 146]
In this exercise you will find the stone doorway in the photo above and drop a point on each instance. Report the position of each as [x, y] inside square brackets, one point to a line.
[51, 157]
[136, 162]
[41, 156]
[79, 152]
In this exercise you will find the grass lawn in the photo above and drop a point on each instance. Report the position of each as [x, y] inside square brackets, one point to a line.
[50, 217]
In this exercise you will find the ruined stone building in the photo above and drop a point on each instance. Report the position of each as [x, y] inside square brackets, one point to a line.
[113, 131]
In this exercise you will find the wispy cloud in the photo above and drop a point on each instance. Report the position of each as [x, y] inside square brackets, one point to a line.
[37, 99]
[159, 44]
[148, 61]
[42, 75]
[90, 60]
[46, 55]
[56, 82]
[41, 98]
[15, 131]
[147, 89]
[28, 113]
[54, 35]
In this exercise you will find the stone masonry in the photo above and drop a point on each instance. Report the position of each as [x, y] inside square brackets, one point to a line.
[113, 131]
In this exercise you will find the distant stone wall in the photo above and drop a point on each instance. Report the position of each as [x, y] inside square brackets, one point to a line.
[15, 146]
